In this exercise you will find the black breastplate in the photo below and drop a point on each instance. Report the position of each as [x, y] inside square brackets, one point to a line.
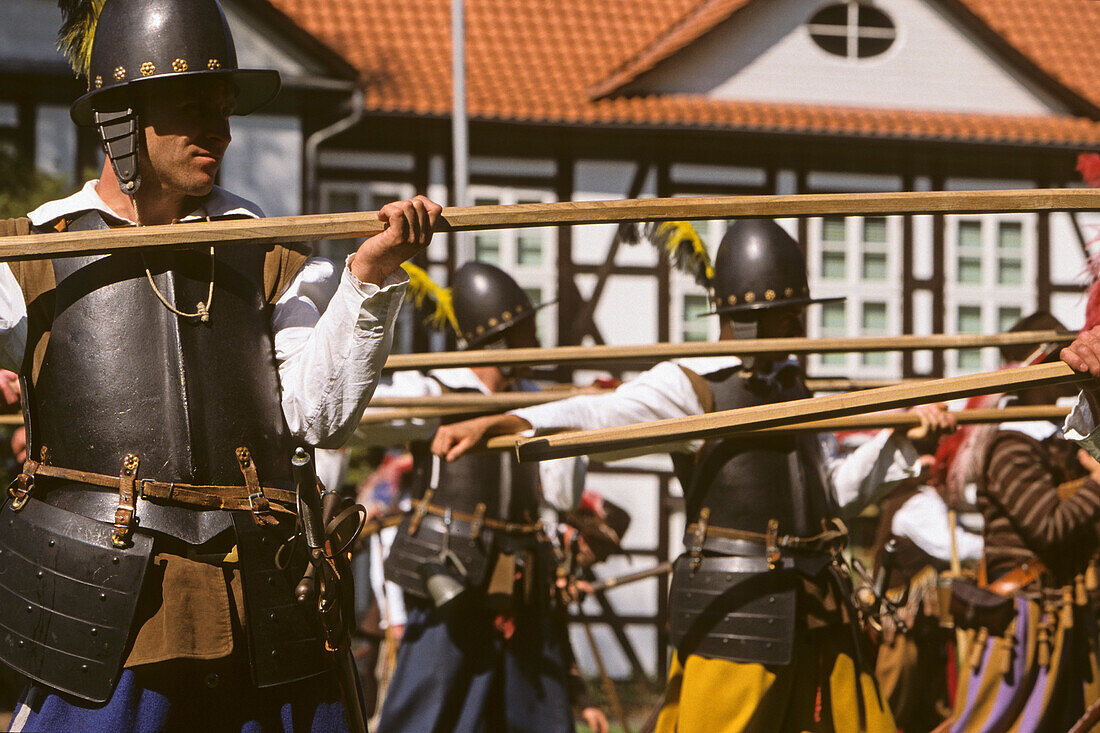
[123, 374]
[747, 481]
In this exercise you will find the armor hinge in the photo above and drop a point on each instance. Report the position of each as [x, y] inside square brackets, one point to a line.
[771, 544]
[420, 511]
[124, 515]
[698, 538]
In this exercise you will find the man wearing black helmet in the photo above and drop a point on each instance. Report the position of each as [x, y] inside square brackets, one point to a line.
[483, 648]
[758, 609]
[165, 393]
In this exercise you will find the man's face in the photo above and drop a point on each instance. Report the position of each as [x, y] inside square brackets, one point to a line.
[186, 126]
[778, 323]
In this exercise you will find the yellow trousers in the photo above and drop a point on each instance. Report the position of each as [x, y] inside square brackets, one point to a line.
[818, 691]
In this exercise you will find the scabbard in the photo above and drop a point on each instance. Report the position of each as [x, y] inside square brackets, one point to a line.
[351, 687]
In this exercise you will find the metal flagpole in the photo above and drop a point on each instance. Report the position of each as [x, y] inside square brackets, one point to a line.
[459, 126]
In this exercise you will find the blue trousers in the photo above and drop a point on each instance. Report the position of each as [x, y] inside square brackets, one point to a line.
[189, 696]
[456, 673]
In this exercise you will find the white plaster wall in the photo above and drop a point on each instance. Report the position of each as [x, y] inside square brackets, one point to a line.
[764, 52]
[264, 162]
[598, 180]
[260, 48]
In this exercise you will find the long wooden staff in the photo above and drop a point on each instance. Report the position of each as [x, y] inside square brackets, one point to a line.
[313, 227]
[652, 353]
[641, 435]
[874, 421]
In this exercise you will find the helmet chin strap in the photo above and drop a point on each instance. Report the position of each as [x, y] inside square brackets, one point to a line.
[118, 131]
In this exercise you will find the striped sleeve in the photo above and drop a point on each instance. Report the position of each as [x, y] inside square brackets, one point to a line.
[1021, 482]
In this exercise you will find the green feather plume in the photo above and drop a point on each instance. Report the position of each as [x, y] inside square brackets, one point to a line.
[422, 287]
[74, 39]
[683, 244]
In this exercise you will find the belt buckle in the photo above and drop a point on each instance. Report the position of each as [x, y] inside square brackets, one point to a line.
[20, 490]
[253, 499]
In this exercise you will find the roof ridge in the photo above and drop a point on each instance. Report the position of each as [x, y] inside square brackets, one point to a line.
[695, 23]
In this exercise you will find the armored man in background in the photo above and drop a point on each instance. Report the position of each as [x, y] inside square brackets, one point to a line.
[165, 394]
[759, 610]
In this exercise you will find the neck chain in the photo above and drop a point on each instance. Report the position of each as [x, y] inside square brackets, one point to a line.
[202, 310]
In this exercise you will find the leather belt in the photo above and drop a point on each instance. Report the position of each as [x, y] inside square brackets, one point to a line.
[477, 520]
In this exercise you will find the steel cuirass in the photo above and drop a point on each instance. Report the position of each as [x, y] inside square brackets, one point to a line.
[729, 602]
[122, 374]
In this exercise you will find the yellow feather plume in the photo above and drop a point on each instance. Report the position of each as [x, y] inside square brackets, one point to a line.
[422, 287]
[74, 39]
[685, 249]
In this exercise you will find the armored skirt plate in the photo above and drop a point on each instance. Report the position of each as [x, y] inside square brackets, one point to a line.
[67, 598]
[733, 608]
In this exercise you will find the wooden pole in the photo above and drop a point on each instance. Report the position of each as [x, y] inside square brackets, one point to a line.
[652, 353]
[874, 421]
[312, 227]
[663, 432]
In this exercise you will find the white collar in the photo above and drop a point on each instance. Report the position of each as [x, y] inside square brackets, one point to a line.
[703, 365]
[219, 203]
[459, 378]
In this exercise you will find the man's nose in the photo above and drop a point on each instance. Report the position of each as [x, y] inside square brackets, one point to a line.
[217, 127]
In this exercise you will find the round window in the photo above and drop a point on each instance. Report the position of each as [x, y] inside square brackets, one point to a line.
[852, 30]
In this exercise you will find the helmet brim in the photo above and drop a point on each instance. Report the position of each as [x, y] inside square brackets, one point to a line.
[255, 88]
[769, 304]
[491, 334]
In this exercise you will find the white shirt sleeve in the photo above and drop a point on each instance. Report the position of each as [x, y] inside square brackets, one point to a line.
[13, 321]
[924, 520]
[869, 472]
[662, 392]
[562, 482]
[332, 336]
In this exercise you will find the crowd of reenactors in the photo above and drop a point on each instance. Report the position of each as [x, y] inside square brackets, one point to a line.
[175, 552]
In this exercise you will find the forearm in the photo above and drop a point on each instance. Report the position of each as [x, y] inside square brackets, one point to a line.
[331, 369]
[872, 471]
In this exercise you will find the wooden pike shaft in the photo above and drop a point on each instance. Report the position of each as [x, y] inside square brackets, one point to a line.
[276, 230]
[653, 353]
[607, 583]
[874, 421]
[642, 435]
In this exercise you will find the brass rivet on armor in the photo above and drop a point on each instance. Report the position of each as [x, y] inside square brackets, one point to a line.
[271, 616]
[506, 316]
[94, 631]
[40, 574]
[750, 297]
[519, 309]
[102, 596]
[788, 292]
[83, 668]
[179, 65]
[120, 73]
[22, 643]
[771, 599]
[733, 300]
[30, 609]
[274, 652]
[493, 322]
[114, 560]
[271, 580]
[98, 81]
[769, 294]
[51, 543]
[479, 330]
[148, 68]
[213, 64]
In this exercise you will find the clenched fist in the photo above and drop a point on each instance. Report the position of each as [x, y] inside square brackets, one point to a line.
[409, 226]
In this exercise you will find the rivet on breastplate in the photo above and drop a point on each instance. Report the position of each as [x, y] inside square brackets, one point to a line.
[271, 580]
[102, 596]
[274, 653]
[771, 599]
[271, 616]
[729, 578]
[40, 574]
[22, 643]
[114, 560]
[94, 631]
[51, 543]
[30, 609]
[83, 668]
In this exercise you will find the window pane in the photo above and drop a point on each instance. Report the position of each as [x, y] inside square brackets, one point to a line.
[832, 265]
[1007, 317]
[970, 270]
[970, 319]
[970, 360]
[529, 250]
[832, 15]
[866, 47]
[487, 248]
[535, 294]
[342, 201]
[486, 201]
[1010, 235]
[970, 235]
[874, 265]
[832, 326]
[874, 229]
[1010, 271]
[696, 328]
[873, 323]
[832, 229]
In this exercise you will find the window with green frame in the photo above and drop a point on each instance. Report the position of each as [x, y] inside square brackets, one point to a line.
[833, 325]
[1010, 252]
[873, 323]
[969, 259]
[833, 245]
[969, 320]
[696, 328]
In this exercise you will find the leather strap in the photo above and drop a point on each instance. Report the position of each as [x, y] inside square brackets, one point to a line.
[479, 520]
[124, 515]
[230, 498]
[772, 541]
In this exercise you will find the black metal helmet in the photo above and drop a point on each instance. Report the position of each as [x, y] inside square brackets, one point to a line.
[759, 266]
[487, 302]
[138, 41]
